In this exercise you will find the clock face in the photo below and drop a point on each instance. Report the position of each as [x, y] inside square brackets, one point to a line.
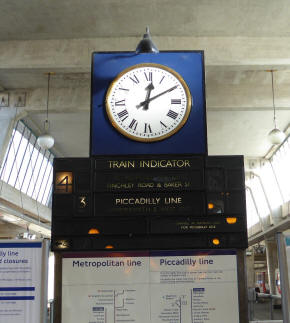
[148, 102]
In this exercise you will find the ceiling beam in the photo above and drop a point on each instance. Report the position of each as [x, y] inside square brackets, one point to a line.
[242, 98]
[247, 109]
[270, 233]
[244, 53]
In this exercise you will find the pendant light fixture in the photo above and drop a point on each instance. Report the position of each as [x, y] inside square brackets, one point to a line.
[275, 136]
[146, 45]
[46, 141]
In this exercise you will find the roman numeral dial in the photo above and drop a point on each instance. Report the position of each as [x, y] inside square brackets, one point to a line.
[172, 114]
[148, 102]
[123, 115]
[147, 128]
[133, 124]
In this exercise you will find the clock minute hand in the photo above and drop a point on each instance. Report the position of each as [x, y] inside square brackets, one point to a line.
[156, 96]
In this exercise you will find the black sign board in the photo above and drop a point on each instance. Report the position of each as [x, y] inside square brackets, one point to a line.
[147, 199]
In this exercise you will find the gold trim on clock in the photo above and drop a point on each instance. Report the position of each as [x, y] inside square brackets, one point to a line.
[169, 134]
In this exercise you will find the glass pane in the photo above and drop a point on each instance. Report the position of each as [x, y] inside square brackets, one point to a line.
[25, 172]
[21, 150]
[41, 176]
[4, 165]
[25, 166]
[30, 181]
[281, 166]
[48, 184]
[48, 202]
[259, 197]
[252, 216]
[36, 171]
[270, 185]
[23, 169]
[11, 157]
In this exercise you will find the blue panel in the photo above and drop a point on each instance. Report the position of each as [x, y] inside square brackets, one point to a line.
[15, 289]
[17, 298]
[190, 139]
[21, 245]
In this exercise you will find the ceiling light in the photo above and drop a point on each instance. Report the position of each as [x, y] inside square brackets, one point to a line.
[275, 136]
[146, 45]
[46, 141]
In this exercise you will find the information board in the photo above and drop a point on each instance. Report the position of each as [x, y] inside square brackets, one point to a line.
[149, 202]
[21, 275]
[184, 286]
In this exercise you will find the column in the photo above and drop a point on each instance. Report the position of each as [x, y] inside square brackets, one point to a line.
[272, 263]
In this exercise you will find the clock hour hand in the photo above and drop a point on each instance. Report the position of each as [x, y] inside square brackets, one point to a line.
[149, 88]
[155, 97]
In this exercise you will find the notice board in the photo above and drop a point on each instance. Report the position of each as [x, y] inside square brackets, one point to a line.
[184, 286]
[23, 281]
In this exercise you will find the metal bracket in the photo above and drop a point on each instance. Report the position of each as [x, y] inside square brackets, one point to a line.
[4, 100]
[20, 100]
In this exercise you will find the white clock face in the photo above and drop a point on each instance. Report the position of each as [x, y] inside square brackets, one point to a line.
[148, 102]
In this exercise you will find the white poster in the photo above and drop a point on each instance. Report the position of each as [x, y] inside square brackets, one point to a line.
[157, 286]
[20, 281]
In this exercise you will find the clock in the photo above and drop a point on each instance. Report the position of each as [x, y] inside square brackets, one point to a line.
[148, 102]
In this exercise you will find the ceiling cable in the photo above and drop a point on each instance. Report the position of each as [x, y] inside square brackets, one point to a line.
[275, 136]
[273, 98]
[46, 141]
[47, 101]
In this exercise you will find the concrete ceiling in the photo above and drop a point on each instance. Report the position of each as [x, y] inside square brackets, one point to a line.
[54, 19]
[241, 40]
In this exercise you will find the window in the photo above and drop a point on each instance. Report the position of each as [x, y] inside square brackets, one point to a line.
[26, 166]
[259, 196]
[281, 166]
[270, 185]
[251, 209]
[270, 189]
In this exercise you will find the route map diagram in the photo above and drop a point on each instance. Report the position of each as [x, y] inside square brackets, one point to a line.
[159, 289]
[113, 306]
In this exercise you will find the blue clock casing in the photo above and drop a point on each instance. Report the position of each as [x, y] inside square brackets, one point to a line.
[106, 140]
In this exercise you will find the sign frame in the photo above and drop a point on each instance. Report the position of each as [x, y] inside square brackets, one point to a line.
[241, 280]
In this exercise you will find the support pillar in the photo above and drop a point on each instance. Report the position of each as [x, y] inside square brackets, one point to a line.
[272, 263]
[242, 283]
[250, 261]
[284, 280]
